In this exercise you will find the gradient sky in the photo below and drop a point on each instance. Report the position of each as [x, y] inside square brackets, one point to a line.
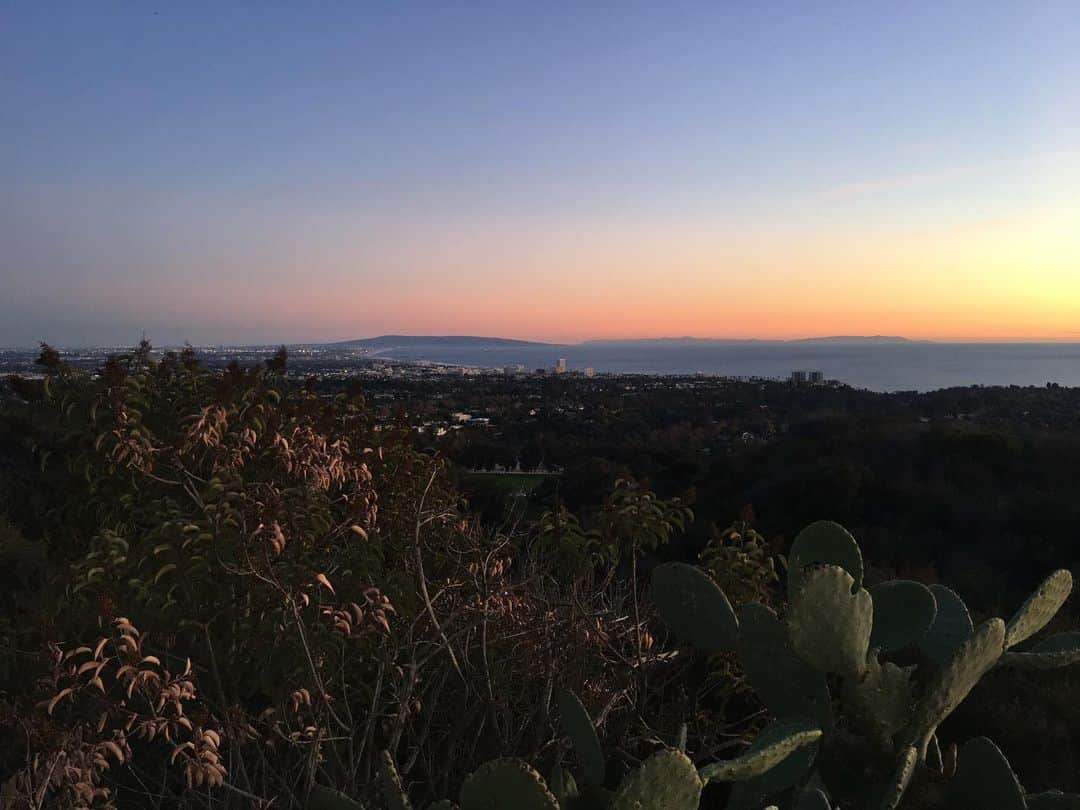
[260, 172]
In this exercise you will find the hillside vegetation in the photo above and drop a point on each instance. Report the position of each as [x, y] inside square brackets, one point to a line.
[227, 589]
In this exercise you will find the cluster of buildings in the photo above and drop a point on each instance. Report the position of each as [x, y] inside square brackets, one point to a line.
[560, 368]
[807, 378]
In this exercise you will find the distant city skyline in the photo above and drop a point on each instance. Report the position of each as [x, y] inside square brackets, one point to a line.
[234, 174]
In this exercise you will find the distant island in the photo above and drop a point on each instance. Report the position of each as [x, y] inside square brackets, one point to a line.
[385, 342]
[878, 340]
[413, 341]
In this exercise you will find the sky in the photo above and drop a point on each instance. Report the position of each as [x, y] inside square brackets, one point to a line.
[271, 172]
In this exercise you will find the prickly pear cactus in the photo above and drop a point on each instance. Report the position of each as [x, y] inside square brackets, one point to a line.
[563, 786]
[324, 798]
[1039, 608]
[1052, 652]
[903, 613]
[835, 627]
[504, 784]
[694, 607]
[952, 683]
[785, 683]
[827, 543]
[984, 779]
[752, 793]
[1053, 800]
[813, 800]
[667, 780]
[393, 792]
[793, 735]
[579, 728]
[905, 769]
[830, 620]
[951, 626]
[882, 697]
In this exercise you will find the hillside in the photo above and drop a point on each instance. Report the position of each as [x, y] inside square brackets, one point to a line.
[412, 341]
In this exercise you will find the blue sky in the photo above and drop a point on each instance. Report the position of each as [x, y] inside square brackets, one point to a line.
[227, 172]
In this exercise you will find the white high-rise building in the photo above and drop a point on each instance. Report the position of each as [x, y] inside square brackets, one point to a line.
[590, 371]
[560, 367]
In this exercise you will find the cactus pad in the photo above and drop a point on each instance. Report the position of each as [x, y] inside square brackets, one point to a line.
[1052, 652]
[1053, 800]
[813, 800]
[824, 542]
[903, 612]
[667, 780]
[1039, 608]
[393, 792]
[952, 683]
[784, 682]
[905, 769]
[883, 697]
[984, 779]
[948, 761]
[561, 783]
[829, 621]
[952, 625]
[324, 798]
[696, 609]
[753, 792]
[579, 728]
[506, 783]
[785, 740]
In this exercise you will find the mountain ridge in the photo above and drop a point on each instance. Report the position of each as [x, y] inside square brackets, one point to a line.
[472, 341]
[409, 341]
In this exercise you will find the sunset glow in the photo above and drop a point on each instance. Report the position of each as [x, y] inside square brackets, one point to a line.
[276, 177]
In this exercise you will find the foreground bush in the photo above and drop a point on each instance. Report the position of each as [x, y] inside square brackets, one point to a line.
[223, 589]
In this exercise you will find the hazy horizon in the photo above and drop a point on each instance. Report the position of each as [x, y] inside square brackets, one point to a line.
[854, 339]
[250, 175]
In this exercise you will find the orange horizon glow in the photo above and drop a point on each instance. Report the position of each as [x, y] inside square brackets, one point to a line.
[1005, 280]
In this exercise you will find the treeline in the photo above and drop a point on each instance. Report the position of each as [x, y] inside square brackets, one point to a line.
[977, 485]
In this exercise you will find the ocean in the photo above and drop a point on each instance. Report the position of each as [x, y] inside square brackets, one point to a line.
[876, 367]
